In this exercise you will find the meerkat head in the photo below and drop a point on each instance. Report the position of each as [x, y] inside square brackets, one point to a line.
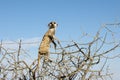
[52, 24]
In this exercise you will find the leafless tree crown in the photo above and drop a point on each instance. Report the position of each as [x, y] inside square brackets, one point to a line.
[85, 59]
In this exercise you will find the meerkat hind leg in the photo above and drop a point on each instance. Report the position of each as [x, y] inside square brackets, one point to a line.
[47, 58]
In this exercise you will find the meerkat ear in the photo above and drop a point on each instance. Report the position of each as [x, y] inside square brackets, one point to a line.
[56, 25]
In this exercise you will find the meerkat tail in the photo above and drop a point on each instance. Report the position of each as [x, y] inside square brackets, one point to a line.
[38, 61]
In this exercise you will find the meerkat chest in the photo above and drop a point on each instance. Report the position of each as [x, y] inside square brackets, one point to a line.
[46, 40]
[52, 31]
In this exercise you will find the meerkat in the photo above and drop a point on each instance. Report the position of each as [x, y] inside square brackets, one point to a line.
[44, 48]
[48, 38]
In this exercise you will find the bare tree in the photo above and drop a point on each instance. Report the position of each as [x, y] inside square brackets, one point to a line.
[74, 61]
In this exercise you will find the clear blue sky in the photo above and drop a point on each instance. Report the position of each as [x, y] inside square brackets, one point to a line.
[29, 18]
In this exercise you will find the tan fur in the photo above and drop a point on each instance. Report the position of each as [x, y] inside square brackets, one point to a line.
[47, 39]
[45, 45]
